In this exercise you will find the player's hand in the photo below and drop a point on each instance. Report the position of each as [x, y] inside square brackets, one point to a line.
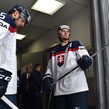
[46, 83]
[85, 62]
[5, 77]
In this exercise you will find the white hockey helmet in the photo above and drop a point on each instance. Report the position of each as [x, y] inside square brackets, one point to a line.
[63, 27]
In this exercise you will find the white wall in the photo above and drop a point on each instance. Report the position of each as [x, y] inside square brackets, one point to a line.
[80, 27]
[80, 30]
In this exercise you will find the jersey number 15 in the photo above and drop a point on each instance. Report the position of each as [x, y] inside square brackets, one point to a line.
[2, 15]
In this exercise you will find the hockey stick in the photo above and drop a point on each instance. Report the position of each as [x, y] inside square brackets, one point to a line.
[49, 99]
[8, 102]
[78, 66]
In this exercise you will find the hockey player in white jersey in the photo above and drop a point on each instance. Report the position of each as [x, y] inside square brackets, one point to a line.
[71, 92]
[17, 17]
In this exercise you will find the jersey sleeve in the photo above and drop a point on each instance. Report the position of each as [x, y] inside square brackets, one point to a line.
[7, 26]
[49, 66]
[3, 26]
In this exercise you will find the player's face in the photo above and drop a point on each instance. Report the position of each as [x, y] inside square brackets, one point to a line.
[20, 22]
[64, 34]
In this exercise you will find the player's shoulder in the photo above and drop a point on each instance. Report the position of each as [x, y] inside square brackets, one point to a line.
[76, 43]
[7, 19]
[54, 49]
[4, 16]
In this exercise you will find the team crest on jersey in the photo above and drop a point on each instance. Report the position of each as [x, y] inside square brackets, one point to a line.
[60, 60]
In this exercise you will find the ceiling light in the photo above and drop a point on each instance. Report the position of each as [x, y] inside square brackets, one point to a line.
[20, 36]
[48, 6]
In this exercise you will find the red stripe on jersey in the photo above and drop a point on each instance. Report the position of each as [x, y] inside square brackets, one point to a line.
[58, 53]
[12, 30]
[54, 54]
[73, 49]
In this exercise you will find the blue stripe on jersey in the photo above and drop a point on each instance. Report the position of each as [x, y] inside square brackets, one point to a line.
[72, 46]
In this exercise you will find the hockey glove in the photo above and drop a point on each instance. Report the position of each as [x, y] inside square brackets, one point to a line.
[84, 62]
[46, 83]
[5, 77]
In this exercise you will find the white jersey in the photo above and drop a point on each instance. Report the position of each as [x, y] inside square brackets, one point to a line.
[8, 49]
[62, 60]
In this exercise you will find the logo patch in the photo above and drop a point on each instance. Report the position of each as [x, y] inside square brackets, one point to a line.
[60, 60]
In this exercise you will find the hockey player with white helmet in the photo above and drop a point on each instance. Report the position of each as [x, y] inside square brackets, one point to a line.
[71, 92]
[17, 17]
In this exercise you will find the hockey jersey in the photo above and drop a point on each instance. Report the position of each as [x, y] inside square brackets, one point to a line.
[8, 49]
[62, 60]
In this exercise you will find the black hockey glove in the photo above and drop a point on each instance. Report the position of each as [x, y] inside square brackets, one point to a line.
[46, 83]
[5, 77]
[84, 62]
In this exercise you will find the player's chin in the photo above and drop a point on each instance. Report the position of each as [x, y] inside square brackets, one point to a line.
[66, 38]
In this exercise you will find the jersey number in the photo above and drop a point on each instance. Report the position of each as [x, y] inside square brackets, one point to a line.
[2, 15]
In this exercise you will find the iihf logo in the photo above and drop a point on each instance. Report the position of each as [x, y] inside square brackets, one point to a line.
[60, 60]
